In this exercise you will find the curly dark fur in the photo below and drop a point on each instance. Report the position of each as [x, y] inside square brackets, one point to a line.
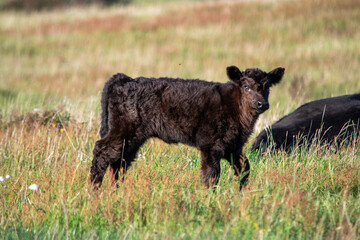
[104, 101]
[327, 119]
[216, 118]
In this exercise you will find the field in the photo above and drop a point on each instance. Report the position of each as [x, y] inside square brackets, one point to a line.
[54, 64]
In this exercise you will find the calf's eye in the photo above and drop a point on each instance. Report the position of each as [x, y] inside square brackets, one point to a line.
[247, 88]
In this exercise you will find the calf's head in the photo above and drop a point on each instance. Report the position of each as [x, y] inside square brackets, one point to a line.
[254, 85]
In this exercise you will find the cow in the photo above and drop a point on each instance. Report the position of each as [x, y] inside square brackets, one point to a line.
[329, 120]
[216, 118]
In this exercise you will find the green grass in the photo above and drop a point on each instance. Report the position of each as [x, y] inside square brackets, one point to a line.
[58, 61]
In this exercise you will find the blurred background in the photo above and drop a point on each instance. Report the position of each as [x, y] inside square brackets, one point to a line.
[33, 5]
[58, 54]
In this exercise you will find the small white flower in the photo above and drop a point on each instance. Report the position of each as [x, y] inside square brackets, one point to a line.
[2, 179]
[139, 156]
[37, 110]
[7, 176]
[34, 187]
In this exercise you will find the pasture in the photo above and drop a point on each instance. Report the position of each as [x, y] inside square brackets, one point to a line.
[53, 66]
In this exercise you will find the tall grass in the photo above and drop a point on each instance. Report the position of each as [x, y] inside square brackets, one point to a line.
[55, 64]
[305, 194]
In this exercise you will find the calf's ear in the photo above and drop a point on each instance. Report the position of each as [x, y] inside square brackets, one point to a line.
[276, 75]
[234, 74]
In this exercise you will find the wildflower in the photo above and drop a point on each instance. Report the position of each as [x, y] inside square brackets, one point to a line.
[2, 179]
[54, 125]
[7, 176]
[34, 187]
[61, 130]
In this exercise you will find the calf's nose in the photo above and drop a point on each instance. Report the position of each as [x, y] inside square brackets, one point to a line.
[263, 105]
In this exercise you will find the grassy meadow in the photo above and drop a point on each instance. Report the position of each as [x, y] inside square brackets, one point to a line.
[53, 65]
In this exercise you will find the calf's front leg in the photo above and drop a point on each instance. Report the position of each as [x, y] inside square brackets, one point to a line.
[241, 167]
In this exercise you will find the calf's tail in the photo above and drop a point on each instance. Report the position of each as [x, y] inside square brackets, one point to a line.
[115, 80]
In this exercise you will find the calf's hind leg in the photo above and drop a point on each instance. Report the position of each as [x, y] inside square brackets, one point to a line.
[122, 165]
[210, 168]
[106, 151]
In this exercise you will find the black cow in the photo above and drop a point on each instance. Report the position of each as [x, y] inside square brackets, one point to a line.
[326, 120]
[216, 118]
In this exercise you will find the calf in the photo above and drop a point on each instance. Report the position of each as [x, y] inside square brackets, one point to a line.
[216, 118]
[326, 119]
